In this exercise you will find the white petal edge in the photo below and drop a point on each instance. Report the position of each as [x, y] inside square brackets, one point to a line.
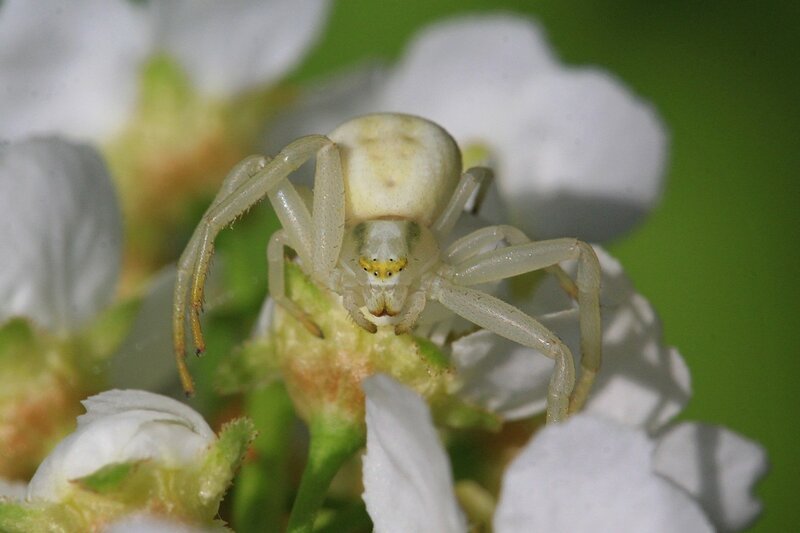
[60, 233]
[116, 402]
[408, 486]
[718, 467]
[591, 475]
[69, 68]
[122, 426]
[228, 47]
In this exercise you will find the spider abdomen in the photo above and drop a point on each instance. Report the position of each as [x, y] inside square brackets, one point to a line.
[396, 166]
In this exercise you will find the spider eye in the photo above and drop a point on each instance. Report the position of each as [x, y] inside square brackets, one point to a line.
[390, 274]
[376, 274]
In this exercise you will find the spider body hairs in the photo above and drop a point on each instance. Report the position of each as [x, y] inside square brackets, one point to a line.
[388, 190]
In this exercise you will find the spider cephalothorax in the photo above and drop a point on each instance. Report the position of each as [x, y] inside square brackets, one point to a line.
[388, 191]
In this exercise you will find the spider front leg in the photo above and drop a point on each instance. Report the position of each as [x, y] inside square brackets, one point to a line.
[247, 184]
[507, 321]
[522, 258]
[240, 173]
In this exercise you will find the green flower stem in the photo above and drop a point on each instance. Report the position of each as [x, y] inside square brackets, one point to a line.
[261, 488]
[333, 441]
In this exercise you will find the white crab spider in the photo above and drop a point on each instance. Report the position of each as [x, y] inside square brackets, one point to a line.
[388, 190]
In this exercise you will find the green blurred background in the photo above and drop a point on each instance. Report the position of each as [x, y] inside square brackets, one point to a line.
[718, 257]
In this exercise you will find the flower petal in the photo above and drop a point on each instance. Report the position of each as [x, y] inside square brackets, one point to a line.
[502, 376]
[408, 486]
[575, 152]
[582, 156]
[232, 46]
[463, 64]
[716, 466]
[591, 475]
[61, 233]
[122, 426]
[69, 67]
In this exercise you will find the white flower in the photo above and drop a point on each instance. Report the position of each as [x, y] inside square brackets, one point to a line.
[587, 474]
[575, 153]
[73, 67]
[642, 384]
[122, 426]
[60, 233]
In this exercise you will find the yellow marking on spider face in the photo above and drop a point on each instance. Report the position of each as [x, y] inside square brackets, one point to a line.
[382, 269]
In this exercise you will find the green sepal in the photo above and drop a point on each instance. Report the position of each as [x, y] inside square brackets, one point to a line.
[16, 334]
[22, 349]
[110, 478]
[431, 353]
[224, 459]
